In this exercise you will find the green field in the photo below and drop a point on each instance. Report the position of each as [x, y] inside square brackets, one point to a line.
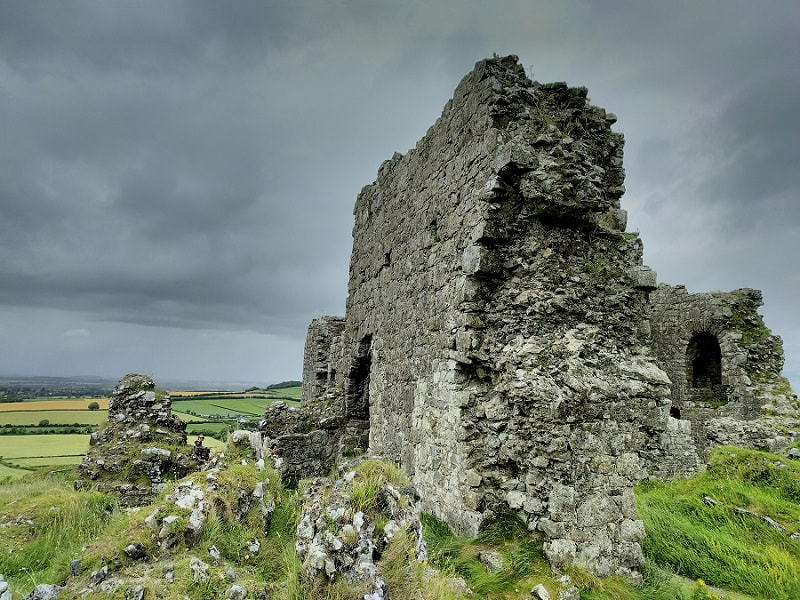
[294, 393]
[187, 418]
[6, 471]
[223, 407]
[207, 426]
[13, 447]
[56, 417]
[48, 461]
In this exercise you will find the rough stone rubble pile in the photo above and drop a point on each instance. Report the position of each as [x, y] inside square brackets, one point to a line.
[140, 449]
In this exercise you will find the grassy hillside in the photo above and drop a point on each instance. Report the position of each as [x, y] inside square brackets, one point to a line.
[734, 526]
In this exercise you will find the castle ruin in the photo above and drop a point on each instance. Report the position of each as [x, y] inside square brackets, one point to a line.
[503, 341]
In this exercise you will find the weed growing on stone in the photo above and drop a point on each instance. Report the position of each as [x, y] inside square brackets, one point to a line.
[369, 480]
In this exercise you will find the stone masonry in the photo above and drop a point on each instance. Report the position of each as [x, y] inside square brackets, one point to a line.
[142, 446]
[319, 365]
[497, 339]
[725, 367]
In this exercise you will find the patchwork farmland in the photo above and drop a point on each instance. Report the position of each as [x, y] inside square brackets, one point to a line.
[53, 433]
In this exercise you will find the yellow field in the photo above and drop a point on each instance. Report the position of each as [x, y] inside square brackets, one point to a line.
[79, 404]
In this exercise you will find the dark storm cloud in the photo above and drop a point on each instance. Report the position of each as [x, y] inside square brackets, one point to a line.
[142, 185]
[185, 171]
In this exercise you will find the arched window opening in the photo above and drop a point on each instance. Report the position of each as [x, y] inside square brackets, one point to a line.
[675, 412]
[704, 368]
[705, 360]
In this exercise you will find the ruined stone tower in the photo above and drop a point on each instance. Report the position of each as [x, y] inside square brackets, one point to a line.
[496, 324]
[497, 339]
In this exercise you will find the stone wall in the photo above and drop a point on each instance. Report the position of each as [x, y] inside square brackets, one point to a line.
[496, 324]
[724, 364]
[319, 371]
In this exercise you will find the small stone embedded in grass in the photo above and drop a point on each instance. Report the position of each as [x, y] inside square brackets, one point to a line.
[44, 591]
[135, 592]
[135, 551]
[540, 592]
[493, 561]
[99, 576]
[199, 569]
[236, 592]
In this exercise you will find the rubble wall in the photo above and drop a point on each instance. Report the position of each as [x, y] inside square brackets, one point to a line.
[141, 447]
[504, 343]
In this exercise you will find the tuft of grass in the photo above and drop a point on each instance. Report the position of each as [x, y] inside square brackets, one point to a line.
[524, 562]
[62, 522]
[371, 475]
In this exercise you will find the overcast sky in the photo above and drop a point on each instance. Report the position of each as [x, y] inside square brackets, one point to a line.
[177, 178]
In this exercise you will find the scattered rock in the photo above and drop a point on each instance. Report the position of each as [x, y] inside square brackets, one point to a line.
[136, 592]
[568, 591]
[773, 523]
[75, 567]
[44, 591]
[333, 536]
[168, 572]
[458, 585]
[215, 554]
[540, 592]
[135, 551]
[493, 561]
[253, 546]
[5, 593]
[709, 501]
[97, 577]
[236, 592]
[199, 569]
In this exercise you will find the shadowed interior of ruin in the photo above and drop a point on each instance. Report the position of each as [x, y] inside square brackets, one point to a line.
[704, 361]
[357, 396]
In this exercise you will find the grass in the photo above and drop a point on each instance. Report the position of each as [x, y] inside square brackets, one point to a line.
[524, 564]
[686, 536]
[34, 446]
[7, 472]
[223, 407]
[291, 393]
[369, 480]
[57, 523]
[207, 426]
[48, 461]
[56, 417]
[714, 543]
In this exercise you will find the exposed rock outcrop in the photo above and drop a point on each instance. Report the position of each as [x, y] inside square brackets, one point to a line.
[338, 533]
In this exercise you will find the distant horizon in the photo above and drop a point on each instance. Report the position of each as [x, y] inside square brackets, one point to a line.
[159, 381]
